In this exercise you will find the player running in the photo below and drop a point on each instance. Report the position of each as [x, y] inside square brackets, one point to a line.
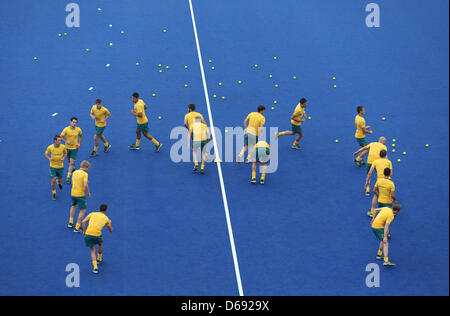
[384, 192]
[360, 134]
[100, 114]
[253, 126]
[199, 132]
[73, 137]
[56, 153]
[379, 165]
[142, 123]
[93, 233]
[259, 153]
[381, 223]
[80, 189]
[374, 150]
[297, 118]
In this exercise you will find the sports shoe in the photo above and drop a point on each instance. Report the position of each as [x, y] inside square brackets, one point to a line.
[70, 225]
[358, 162]
[389, 264]
[202, 171]
[367, 193]
[370, 214]
[157, 148]
[380, 257]
[99, 261]
[134, 147]
[195, 168]
[79, 230]
[60, 186]
[68, 180]
[93, 153]
[253, 181]
[296, 146]
[262, 181]
[54, 197]
[95, 271]
[106, 149]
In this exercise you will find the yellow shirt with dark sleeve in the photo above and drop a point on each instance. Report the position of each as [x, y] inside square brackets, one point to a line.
[374, 151]
[71, 135]
[191, 116]
[56, 154]
[385, 187]
[139, 107]
[78, 179]
[360, 123]
[199, 131]
[255, 120]
[385, 216]
[97, 220]
[299, 112]
[100, 115]
[381, 164]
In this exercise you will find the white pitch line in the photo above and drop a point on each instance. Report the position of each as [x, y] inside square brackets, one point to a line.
[219, 168]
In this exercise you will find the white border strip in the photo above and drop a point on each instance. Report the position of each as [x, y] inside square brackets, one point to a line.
[222, 186]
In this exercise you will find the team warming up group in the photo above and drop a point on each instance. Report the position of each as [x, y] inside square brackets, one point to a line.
[198, 131]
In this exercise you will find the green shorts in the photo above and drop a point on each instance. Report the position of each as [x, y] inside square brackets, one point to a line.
[384, 205]
[379, 232]
[142, 127]
[362, 142]
[80, 201]
[99, 130]
[199, 144]
[250, 139]
[56, 172]
[261, 155]
[72, 154]
[297, 129]
[91, 241]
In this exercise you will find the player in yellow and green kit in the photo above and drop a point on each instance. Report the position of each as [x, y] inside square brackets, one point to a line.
[142, 123]
[379, 165]
[360, 134]
[80, 189]
[381, 222]
[56, 153]
[93, 233]
[72, 136]
[253, 124]
[384, 192]
[297, 118]
[259, 153]
[100, 114]
[199, 132]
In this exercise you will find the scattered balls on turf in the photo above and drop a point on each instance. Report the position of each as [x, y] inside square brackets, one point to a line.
[270, 76]
[393, 145]
[59, 35]
[214, 96]
[137, 64]
[294, 77]
[210, 61]
[220, 83]
[398, 160]
[383, 118]
[167, 67]
[309, 117]
[107, 65]
[65, 34]
[160, 70]
[427, 145]
[275, 102]
[185, 67]
[185, 85]
[256, 65]
[239, 81]
[394, 140]
[337, 140]
[213, 68]
[164, 30]
[404, 153]
[122, 32]
[159, 117]
[159, 65]
[223, 98]
[154, 94]
[110, 44]
[273, 108]
[276, 86]
[334, 86]
[275, 58]
[334, 78]
[35, 58]
[393, 150]
[87, 49]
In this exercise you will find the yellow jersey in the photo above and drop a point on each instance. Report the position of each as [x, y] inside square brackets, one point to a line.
[191, 116]
[299, 112]
[385, 187]
[100, 115]
[139, 107]
[381, 164]
[360, 123]
[374, 151]
[79, 177]
[97, 220]
[56, 154]
[255, 120]
[199, 131]
[385, 216]
[72, 135]
[262, 144]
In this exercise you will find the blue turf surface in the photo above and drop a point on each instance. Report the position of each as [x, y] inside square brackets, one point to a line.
[305, 232]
